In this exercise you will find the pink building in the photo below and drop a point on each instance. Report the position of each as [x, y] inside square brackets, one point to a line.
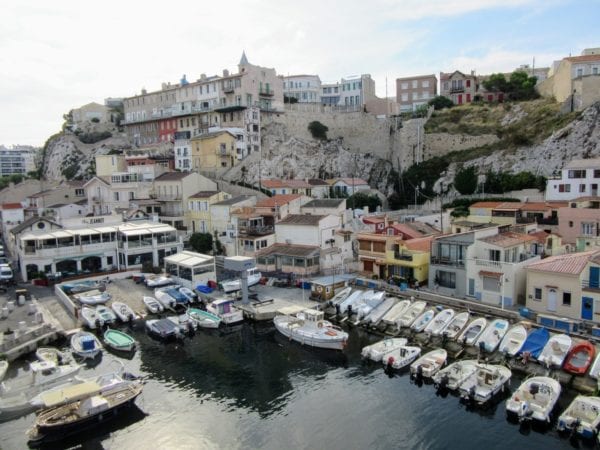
[581, 219]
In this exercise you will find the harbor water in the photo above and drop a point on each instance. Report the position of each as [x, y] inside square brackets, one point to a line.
[249, 387]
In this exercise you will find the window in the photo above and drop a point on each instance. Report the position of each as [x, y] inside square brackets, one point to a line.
[405, 97]
[576, 174]
[588, 229]
[594, 71]
[566, 299]
[564, 188]
[116, 196]
[537, 294]
[425, 83]
[468, 83]
[404, 85]
[494, 255]
[415, 84]
[579, 72]
[582, 188]
[446, 279]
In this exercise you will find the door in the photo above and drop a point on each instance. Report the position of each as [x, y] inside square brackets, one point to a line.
[594, 277]
[552, 300]
[471, 292]
[459, 99]
[587, 308]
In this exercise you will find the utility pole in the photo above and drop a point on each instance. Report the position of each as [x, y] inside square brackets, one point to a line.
[442, 208]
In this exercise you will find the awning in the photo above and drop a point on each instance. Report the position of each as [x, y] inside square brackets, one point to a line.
[106, 229]
[136, 232]
[86, 231]
[486, 273]
[163, 229]
[62, 234]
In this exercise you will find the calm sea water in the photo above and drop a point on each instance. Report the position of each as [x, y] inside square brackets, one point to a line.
[251, 388]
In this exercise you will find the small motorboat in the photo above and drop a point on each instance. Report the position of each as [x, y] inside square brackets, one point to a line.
[123, 311]
[379, 311]
[185, 323]
[175, 293]
[189, 294]
[377, 350]
[582, 416]
[485, 382]
[429, 364]
[164, 329]
[152, 305]
[79, 287]
[106, 314]
[410, 314]
[422, 321]
[117, 340]
[472, 331]
[90, 318]
[229, 286]
[579, 358]
[401, 357]
[535, 342]
[51, 354]
[204, 319]
[534, 399]
[93, 298]
[3, 369]
[439, 323]
[355, 298]
[86, 345]
[393, 314]
[595, 369]
[309, 328]
[158, 281]
[164, 298]
[224, 308]
[370, 303]
[555, 351]
[455, 374]
[340, 296]
[492, 335]
[513, 340]
[456, 325]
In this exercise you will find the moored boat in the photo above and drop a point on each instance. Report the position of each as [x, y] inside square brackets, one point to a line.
[579, 358]
[456, 325]
[51, 354]
[164, 329]
[123, 311]
[189, 294]
[513, 340]
[535, 342]
[401, 357]
[204, 319]
[348, 303]
[309, 328]
[429, 364]
[422, 321]
[86, 345]
[229, 286]
[377, 350]
[117, 340]
[93, 298]
[106, 314]
[472, 331]
[455, 374]
[90, 318]
[393, 314]
[595, 368]
[152, 305]
[410, 314]
[340, 296]
[582, 416]
[3, 369]
[225, 309]
[555, 351]
[492, 335]
[158, 281]
[485, 382]
[439, 323]
[379, 311]
[534, 399]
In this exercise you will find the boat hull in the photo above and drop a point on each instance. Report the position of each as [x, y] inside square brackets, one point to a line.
[312, 340]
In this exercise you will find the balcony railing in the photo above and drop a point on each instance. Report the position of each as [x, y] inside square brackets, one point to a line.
[403, 256]
[228, 88]
[447, 261]
[256, 231]
[590, 284]
[456, 89]
[266, 92]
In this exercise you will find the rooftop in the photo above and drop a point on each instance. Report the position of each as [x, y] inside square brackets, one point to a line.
[234, 200]
[172, 176]
[12, 206]
[349, 181]
[301, 219]
[583, 58]
[420, 244]
[584, 163]
[485, 204]
[324, 203]
[277, 200]
[204, 194]
[508, 239]
[290, 250]
[572, 263]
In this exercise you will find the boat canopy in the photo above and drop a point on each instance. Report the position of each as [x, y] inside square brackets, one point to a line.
[535, 342]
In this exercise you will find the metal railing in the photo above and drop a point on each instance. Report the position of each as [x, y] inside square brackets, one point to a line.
[447, 261]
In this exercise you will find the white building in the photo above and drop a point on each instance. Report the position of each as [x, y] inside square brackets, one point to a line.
[183, 151]
[579, 178]
[191, 269]
[304, 88]
[17, 160]
[357, 90]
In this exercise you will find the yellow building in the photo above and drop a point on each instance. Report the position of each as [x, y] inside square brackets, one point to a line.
[198, 215]
[106, 165]
[215, 150]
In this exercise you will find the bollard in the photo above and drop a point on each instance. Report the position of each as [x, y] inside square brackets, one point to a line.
[31, 309]
[11, 306]
[4, 312]
[21, 300]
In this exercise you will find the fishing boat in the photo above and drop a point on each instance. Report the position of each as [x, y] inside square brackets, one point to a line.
[189, 294]
[158, 281]
[555, 351]
[492, 335]
[93, 298]
[534, 399]
[106, 314]
[123, 311]
[513, 340]
[582, 416]
[377, 350]
[164, 298]
[394, 314]
[439, 323]
[422, 321]
[3, 369]
[595, 368]
[224, 309]
[455, 374]
[117, 340]
[579, 358]
[204, 319]
[472, 331]
[90, 318]
[485, 382]
[535, 342]
[60, 421]
[86, 345]
[229, 286]
[429, 364]
[152, 305]
[401, 357]
[456, 325]
[309, 328]
[379, 311]
[410, 314]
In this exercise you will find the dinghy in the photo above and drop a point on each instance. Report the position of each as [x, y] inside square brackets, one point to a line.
[410, 314]
[164, 298]
[472, 331]
[485, 382]
[555, 351]
[90, 318]
[189, 294]
[370, 303]
[401, 357]
[376, 351]
[93, 298]
[309, 328]
[456, 325]
[204, 318]
[534, 399]
[86, 345]
[117, 340]
[123, 311]
[377, 313]
[582, 416]
[513, 340]
[492, 335]
[535, 342]
[422, 321]
[51, 354]
[158, 281]
[439, 323]
[106, 314]
[429, 364]
[579, 358]
[393, 314]
[455, 374]
[152, 305]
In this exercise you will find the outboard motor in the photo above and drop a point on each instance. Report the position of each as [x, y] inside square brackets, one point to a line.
[443, 384]
[534, 389]
[350, 310]
[390, 363]
[338, 309]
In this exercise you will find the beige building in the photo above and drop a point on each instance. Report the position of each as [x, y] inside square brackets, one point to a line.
[199, 214]
[213, 151]
[87, 113]
[459, 87]
[382, 106]
[412, 92]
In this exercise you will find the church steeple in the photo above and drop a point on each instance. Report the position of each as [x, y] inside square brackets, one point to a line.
[243, 59]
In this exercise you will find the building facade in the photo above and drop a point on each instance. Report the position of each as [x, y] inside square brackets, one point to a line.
[579, 178]
[413, 92]
[17, 160]
[304, 88]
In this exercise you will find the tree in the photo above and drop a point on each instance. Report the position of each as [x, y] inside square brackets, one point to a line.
[318, 130]
[201, 242]
[360, 200]
[465, 181]
[519, 86]
[496, 83]
[287, 99]
[441, 102]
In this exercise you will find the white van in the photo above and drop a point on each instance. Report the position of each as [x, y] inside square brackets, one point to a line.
[6, 273]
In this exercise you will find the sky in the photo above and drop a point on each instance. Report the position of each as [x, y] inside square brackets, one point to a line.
[63, 54]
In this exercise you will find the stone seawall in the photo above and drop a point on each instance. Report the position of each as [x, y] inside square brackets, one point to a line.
[440, 144]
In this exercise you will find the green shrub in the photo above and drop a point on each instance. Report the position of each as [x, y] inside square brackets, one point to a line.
[318, 130]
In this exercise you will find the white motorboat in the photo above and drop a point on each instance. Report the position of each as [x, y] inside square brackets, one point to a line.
[309, 328]
[378, 312]
[513, 340]
[534, 399]
[51, 354]
[582, 416]
[410, 314]
[123, 311]
[401, 357]
[377, 350]
[229, 286]
[340, 296]
[225, 309]
[393, 314]
[189, 294]
[456, 325]
[595, 368]
[485, 382]
[429, 364]
[354, 297]
[555, 351]
[86, 345]
[3, 369]
[204, 318]
[106, 314]
[90, 318]
[158, 281]
[93, 298]
[423, 320]
[492, 335]
[164, 328]
[370, 303]
[472, 331]
[439, 323]
[184, 322]
[152, 305]
[164, 298]
[455, 374]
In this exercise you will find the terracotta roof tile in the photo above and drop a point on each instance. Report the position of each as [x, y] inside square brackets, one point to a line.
[277, 200]
[572, 263]
[419, 244]
[12, 206]
[508, 239]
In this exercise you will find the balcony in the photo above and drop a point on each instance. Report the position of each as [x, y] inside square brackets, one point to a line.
[457, 89]
[266, 92]
[228, 88]
[590, 285]
[447, 261]
[162, 113]
[223, 153]
[403, 256]
[257, 231]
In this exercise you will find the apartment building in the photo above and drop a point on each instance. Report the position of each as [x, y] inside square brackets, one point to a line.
[304, 88]
[580, 220]
[413, 92]
[199, 214]
[578, 178]
[17, 160]
[330, 94]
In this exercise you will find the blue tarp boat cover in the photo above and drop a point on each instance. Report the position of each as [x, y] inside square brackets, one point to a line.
[204, 289]
[87, 343]
[165, 326]
[178, 296]
[535, 342]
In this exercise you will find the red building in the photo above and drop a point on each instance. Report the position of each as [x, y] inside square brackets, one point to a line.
[167, 129]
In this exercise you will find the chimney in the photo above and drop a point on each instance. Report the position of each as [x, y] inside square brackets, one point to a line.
[164, 86]
[144, 92]
[202, 76]
[225, 72]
